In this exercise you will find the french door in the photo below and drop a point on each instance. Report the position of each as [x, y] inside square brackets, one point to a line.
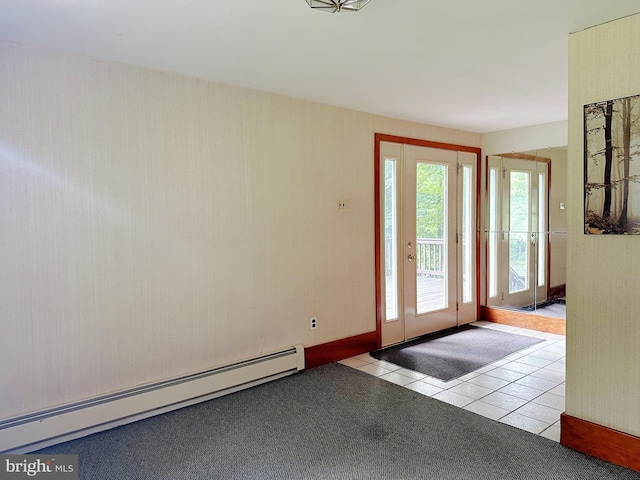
[428, 239]
[518, 232]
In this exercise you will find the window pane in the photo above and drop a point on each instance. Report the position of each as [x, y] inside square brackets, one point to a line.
[542, 235]
[390, 239]
[467, 238]
[431, 233]
[493, 232]
[519, 221]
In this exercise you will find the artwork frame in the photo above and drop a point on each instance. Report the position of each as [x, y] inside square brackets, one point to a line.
[612, 167]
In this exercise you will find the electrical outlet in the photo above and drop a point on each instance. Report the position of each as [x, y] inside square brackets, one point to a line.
[313, 323]
[343, 205]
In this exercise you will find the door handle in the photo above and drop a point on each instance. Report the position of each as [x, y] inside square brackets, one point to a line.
[411, 257]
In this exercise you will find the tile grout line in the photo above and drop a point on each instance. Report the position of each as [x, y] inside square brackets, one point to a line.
[549, 341]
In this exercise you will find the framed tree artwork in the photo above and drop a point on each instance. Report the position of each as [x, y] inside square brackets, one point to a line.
[612, 167]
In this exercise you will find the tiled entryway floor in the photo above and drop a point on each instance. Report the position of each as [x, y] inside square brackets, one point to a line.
[525, 390]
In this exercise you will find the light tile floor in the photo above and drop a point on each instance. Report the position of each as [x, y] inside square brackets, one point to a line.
[525, 390]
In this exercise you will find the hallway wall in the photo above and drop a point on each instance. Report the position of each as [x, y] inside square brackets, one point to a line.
[603, 359]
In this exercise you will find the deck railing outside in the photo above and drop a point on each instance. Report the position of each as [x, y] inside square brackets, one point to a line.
[430, 279]
[430, 257]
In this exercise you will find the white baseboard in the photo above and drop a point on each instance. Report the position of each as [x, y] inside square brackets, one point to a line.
[37, 430]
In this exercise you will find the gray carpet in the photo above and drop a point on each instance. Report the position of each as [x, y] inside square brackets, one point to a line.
[331, 422]
[456, 352]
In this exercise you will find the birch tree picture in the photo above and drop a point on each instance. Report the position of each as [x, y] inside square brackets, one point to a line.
[612, 167]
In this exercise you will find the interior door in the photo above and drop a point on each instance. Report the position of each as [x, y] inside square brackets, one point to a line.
[428, 239]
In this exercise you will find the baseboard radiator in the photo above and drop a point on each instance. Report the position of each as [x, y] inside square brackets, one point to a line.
[48, 427]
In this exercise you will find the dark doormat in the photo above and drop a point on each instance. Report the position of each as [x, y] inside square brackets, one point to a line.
[456, 352]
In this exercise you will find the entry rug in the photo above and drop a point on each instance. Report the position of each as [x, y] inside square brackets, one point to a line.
[453, 353]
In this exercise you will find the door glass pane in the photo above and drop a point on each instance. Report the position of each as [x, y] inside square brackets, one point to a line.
[390, 239]
[493, 232]
[542, 235]
[431, 235]
[466, 234]
[519, 221]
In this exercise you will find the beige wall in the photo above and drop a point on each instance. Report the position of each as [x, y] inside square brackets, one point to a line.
[534, 137]
[603, 327]
[155, 225]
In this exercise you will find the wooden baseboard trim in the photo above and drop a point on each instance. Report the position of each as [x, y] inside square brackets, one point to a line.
[340, 349]
[524, 320]
[600, 442]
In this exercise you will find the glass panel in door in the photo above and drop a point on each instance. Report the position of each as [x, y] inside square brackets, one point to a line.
[431, 231]
[391, 238]
[519, 222]
[542, 232]
[466, 234]
[525, 224]
[466, 253]
[494, 236]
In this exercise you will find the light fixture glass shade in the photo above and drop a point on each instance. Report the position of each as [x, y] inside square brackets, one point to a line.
[334, 6]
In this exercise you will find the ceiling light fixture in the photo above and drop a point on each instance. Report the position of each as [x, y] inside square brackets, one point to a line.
[337, 6]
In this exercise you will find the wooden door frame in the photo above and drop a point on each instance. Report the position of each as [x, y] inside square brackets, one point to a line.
[381, 137]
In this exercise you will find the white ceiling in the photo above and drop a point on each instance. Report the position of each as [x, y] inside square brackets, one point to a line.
[477, 65]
